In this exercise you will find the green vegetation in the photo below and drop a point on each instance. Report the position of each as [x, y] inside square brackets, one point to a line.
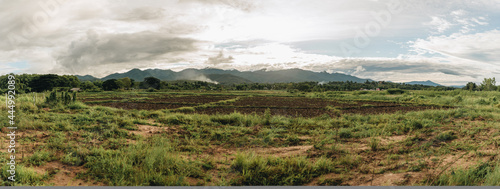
[26, 83]
[268, 137]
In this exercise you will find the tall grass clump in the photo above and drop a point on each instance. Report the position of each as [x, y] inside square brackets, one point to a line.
[41, 157]
[175, 119]
[446, 136]
[77, 105]
[148, 164]
[25, 176]
[267, 117]
[395, 91]
[482, 174]
[258, 170]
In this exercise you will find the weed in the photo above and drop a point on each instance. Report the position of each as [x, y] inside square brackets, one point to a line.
[483, 173]
[345, 133]
[40, 157]
[374, 144]
[446, 136]
[258, 170]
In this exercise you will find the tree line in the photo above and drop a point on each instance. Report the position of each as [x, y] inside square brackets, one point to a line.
[49, 82]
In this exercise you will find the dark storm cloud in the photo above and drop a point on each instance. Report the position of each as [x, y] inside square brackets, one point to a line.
[99, 49]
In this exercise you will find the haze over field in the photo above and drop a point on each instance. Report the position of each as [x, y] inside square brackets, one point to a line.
[450, 43]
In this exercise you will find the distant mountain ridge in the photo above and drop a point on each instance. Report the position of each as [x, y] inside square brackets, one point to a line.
[427, 83]
[232, 76]
[87, 78]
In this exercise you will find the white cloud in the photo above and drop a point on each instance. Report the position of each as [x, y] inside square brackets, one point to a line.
[439, 24]
[140, 34]
[481, 47]
[358, 70]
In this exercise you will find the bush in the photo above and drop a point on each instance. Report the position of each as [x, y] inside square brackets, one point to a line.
[395, 91]
[151, 90]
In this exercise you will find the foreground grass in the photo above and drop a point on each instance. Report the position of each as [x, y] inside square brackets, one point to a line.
[112, 147]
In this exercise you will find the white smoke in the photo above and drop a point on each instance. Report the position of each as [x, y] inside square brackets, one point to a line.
[202, 78]
[195, 76]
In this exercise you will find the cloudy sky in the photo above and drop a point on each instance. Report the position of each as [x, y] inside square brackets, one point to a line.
[448, 42]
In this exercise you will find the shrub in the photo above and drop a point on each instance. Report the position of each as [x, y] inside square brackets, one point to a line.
[395, 91]
[52, 98]
[152, 90]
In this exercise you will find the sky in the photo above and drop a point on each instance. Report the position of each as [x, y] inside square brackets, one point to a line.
[448, 42]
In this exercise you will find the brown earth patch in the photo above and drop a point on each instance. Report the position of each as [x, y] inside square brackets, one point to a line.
[387, 179]
[141, 106]
[64, 175]
[330, 179]
[282, 151]
[148, 130]
[392, 139]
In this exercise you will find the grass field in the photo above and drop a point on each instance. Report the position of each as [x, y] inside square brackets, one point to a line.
[257, 138]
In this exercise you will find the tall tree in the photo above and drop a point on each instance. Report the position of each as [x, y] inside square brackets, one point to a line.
[152, 82]
[126, 82]
[88, 85]
[110, 84]
[488, 84]
[471, 86]
[44, 82]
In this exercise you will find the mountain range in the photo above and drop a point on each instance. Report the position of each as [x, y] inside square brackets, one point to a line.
[230, 76]
[428, 83]
[236, 77]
